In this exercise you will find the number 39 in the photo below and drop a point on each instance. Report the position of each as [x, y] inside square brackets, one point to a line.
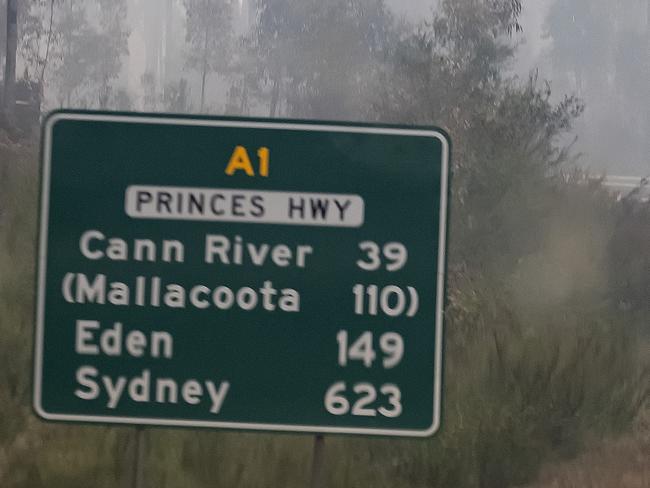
[394, 252]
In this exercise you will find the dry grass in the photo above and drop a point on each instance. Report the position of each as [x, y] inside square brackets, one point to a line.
[621, 463]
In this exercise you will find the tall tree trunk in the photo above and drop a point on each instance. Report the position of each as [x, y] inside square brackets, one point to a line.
[202, 90]
[275, 95]
[47, 49]
[169, 43]
[205, 66]
[244, 97]
[647, 98]
[9, 99]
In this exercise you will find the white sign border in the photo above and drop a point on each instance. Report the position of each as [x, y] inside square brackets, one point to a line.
[307, 126]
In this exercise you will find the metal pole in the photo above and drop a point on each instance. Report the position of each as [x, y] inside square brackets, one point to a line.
[138, 458]
[317, 474]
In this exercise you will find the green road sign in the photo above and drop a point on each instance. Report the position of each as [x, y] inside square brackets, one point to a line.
[241, 274]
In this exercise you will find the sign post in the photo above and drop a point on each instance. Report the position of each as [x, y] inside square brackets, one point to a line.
[241, 274]
[138, 458]
[317, 476]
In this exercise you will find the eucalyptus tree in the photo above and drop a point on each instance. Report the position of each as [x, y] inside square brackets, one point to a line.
[90, 41]
[209, 36]
[316, 58]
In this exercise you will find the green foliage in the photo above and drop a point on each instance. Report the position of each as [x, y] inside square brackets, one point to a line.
[88, 53]
[630, 257]
[506, 133]
[316, 57]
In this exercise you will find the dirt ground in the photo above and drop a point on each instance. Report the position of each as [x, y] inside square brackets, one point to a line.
[621, 463]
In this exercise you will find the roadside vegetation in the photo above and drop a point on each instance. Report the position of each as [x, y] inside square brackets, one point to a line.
[547, 353]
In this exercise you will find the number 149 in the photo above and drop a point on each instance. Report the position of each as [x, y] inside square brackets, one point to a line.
[362, 349]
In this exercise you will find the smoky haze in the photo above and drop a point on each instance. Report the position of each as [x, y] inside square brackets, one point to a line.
[546, 331]
[147, 57]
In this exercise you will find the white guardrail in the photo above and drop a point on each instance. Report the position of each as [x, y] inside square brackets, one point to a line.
[624, 185]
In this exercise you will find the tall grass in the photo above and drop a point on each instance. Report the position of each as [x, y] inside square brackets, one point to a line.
[621, 462]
